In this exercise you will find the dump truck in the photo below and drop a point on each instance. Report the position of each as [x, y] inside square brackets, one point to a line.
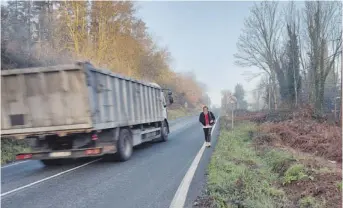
[73, 111]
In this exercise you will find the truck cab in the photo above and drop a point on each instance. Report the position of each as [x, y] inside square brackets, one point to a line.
[164, 101]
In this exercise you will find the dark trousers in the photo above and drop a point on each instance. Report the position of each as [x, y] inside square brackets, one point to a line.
[207, 132]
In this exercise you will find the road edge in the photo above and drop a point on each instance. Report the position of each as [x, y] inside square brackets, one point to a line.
[180, 196]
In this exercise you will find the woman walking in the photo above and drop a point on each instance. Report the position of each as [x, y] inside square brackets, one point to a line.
[207, 119]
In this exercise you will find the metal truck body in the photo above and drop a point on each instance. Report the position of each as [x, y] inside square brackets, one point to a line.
[72, 111]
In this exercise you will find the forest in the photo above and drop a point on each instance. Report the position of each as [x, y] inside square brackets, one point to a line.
[297, 47]
[106, 33]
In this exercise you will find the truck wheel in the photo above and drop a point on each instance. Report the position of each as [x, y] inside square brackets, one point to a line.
[124, 145]
[164, 132]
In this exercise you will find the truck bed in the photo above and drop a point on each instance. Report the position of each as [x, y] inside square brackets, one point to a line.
[73, 98]
[43, 99]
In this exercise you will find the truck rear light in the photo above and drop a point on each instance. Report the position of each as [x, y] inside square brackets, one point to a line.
[95, 151]
[94, 137]
[23, 156]
[61, 134]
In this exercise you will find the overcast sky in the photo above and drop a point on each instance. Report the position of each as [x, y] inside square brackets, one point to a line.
[201, 37]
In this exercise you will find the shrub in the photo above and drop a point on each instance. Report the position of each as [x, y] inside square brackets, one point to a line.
[295, 173]
[309, 202]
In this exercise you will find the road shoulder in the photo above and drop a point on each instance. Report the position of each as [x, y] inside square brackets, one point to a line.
[198, 184]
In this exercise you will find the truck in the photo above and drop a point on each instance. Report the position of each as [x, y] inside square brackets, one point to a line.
[76, 110]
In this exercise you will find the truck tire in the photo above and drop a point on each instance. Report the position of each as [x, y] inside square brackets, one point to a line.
[164, 132]
[124, 145]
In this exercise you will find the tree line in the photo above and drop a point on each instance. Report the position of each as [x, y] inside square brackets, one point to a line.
[298, 46]
[106, 33]
[234, 101]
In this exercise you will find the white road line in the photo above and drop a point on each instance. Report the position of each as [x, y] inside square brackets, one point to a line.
[50, 177]
[12, 164]
[181, 193]
[214, 126]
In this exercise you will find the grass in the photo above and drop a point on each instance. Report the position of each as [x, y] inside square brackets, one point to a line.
[278, 161]
[11, 147]
[339, 185]
[309, 202]
[239, 176]
[296, 172]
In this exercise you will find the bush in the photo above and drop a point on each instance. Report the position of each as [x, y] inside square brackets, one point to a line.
[295, 173]
[279, 161]
[309, 202]
[10, 148]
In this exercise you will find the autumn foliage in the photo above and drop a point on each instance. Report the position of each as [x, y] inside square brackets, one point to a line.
[106, 33]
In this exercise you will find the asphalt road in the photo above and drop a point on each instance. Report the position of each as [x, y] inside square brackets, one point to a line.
[149, 179]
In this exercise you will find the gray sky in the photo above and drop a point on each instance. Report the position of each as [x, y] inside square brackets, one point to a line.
[201, 37]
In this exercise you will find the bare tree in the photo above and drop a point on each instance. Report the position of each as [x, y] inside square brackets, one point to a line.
[259, 42]
[291, 58]
[323, 21]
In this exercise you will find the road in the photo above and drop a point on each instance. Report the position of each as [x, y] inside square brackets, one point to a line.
[149, 179]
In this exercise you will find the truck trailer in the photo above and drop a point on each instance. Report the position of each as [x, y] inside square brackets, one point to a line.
[74, 111]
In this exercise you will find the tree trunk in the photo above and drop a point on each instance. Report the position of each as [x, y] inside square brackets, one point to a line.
[319, 96]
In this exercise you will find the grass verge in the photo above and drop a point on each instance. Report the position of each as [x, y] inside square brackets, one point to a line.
[239, 177]
[11, 147]
[246, 171]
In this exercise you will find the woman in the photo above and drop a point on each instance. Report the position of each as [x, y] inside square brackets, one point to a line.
[207, 119]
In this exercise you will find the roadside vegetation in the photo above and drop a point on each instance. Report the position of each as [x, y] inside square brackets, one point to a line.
[289, 152]
[181, 112]
[9, 149]
[178, 113]
[264, 165]
[240, 177]
[55, 32]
